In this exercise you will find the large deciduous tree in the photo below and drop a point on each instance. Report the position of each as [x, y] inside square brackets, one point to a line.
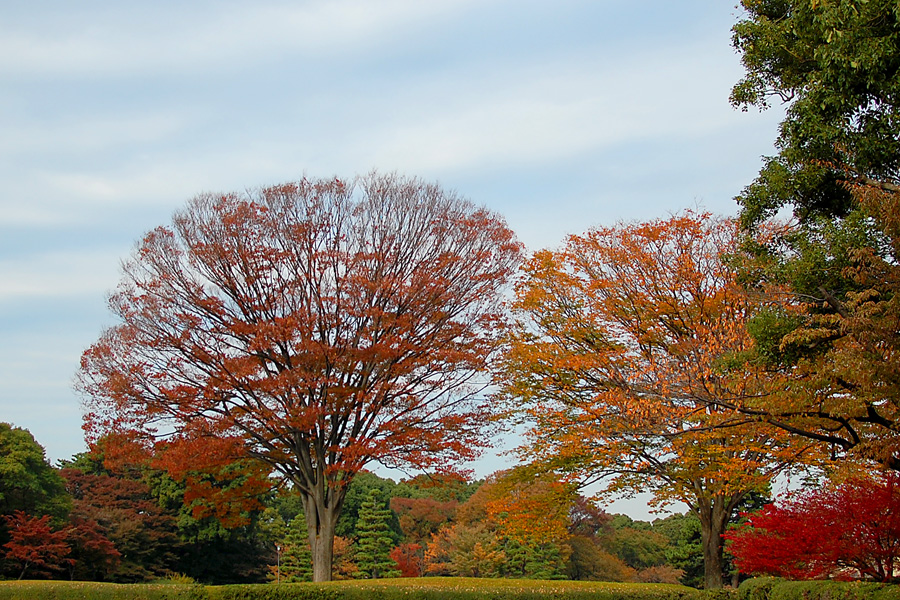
[625, 337]
[838, 169]
[316, 326]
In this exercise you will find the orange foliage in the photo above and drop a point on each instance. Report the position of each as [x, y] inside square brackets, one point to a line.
[627, 340]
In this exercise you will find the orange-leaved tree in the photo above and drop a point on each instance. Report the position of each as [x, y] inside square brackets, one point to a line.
[623, 339]
[318, 325]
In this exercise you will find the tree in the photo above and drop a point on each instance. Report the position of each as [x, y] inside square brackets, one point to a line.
[316, 326]
[35, 546]
[409, 559]
[838, 169]
[94, 556]
[296, 559]
[420, 518]
[127, 515]
[374, 542]
[840, 530]
[27, 481]
[626, 339]
[836, 65]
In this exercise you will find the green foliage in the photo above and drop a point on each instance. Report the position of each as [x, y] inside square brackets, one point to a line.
[432, 588]
[757, 588]
[296, 557]
[374, 540]
[27, 481]
[589, 562]
[837, 63]
[360, 487]
[542, 561]
[774, 588]
[685, 550]
[79, 590]
[636, 543]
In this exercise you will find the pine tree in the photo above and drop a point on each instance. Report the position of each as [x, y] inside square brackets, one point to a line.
[374, 542]
[296, 558]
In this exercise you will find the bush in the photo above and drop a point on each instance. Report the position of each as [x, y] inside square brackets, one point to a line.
[757, 588]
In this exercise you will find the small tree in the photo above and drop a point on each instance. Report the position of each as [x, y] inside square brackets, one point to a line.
[373, 555]
[844, 531]
[296, 558]
[34, 545]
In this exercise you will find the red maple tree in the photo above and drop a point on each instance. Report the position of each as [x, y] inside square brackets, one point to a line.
[34, 545]
[409, 559]
[316, 326]
[845, 531]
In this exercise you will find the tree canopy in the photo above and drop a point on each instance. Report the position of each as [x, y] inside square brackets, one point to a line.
[836, 263]
[627, 340]
[316, 326]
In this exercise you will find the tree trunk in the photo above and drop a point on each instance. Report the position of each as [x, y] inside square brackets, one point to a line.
[713, 519]
[322, 510]
[322, 547]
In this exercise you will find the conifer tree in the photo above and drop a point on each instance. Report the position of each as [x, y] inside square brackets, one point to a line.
[296, 557]
[375, 542]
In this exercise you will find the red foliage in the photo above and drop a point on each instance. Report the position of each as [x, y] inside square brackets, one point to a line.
[35, 546]
[94, 554]
[129, 518]
[409, 559]
[317, 326]
[420, 518]
[842, 531]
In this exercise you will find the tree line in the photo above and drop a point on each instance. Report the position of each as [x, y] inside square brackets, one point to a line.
[308, 330]
[133, 523]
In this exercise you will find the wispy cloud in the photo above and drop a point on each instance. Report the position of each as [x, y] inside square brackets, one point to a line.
[112, 40]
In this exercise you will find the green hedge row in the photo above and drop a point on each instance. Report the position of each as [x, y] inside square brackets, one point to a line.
[772, 588]
[432, 588]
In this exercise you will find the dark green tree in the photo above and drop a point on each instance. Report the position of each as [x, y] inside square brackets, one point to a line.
[836, 342]
[836, 65]
[296, 558]
[27, 481]
[374, 540]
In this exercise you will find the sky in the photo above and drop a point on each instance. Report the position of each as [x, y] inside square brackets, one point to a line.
[558, 114]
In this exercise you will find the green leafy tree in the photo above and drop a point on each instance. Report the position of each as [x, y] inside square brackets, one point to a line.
[374, 541]
[836, 340]
[28, 482]
[836, 65]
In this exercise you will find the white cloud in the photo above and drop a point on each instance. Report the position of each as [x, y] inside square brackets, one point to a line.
[558, 110]
[59, 274]
[192, 37]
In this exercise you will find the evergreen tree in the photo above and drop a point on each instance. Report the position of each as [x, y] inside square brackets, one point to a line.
[296, 558]
[374, 541]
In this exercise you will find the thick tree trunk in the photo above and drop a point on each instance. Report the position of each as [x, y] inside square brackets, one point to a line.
[322, 507]
[322, 547]
[713, 519]
[321, 519]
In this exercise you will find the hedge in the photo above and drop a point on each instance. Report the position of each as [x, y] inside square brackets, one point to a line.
[431, 588]
[772, 588]
[84, 590]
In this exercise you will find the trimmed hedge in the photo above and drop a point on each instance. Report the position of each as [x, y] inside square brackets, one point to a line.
[451, 588]
[431, 588]
[773, 588]
[84, 590]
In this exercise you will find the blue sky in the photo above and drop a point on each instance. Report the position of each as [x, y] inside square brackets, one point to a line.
[558, 114]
